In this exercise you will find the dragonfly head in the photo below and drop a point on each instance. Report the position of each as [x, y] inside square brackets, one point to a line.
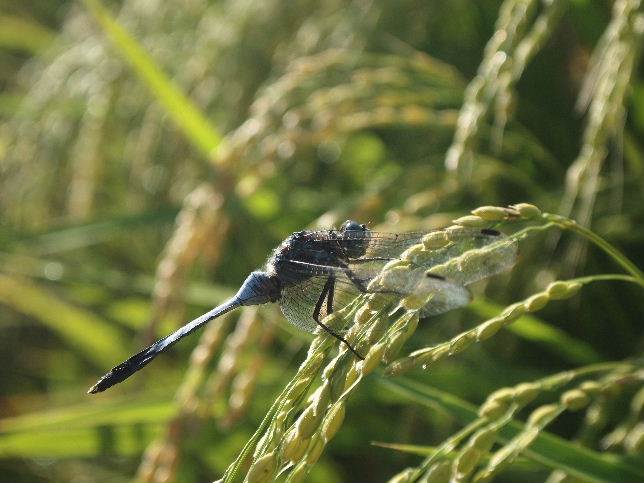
[356, 244]
[352, 225]
[259, 288]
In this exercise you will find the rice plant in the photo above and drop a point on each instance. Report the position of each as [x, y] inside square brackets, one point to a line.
[153, 153]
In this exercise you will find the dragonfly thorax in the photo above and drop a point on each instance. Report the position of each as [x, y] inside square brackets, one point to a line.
[313, 251]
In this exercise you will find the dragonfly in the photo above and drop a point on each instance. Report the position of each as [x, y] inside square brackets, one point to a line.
[313, 273]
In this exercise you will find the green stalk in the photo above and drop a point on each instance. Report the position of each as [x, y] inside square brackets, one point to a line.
[612, 251]
[197, 128]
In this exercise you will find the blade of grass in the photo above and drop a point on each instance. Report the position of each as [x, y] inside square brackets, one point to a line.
[96, 339]
[23, 34]
[548, 449]
[120, 427]
[117, 411]
[74, 236]
[196, 127]
[121, 441]
[415, 449]
[197, 293]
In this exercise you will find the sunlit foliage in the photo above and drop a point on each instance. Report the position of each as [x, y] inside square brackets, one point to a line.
[152, 153]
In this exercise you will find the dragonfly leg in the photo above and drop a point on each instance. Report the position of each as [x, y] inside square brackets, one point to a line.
[329, 299]
[323, 296]
[327, 294]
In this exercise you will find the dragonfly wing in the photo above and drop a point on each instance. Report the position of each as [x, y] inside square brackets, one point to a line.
[445, 298]
[352, 281]
[450, 261]
[298, 300]
[381, 245]
[474, 257]
[471, 254]
[441, 274]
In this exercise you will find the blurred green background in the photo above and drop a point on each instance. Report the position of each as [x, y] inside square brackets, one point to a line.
[152, 153]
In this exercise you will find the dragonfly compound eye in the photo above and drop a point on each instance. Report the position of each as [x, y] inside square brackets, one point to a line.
[351, 225]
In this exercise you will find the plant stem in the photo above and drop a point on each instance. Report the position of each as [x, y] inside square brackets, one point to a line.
[612, 251]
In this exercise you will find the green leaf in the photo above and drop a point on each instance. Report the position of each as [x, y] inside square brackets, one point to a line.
[121, 427]
[78, 235]
[23, 34]
[95, 338]
[548, 449]
[197, 128]
[415, 449]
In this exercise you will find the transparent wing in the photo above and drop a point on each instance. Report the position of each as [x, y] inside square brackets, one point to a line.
[441, 275]
[468, 259]
[391, 245]
[472, 257]
[384, 247]
[445, 297]
[378, 244]
[298, 301]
